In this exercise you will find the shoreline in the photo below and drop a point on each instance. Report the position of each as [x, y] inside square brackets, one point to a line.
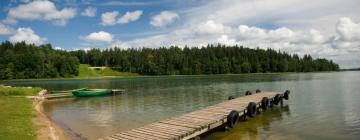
[145, 76]
[46, 128]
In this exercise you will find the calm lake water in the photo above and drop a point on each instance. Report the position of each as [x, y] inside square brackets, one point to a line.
[321, 106]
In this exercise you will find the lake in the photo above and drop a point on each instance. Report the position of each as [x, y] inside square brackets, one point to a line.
[322, 106]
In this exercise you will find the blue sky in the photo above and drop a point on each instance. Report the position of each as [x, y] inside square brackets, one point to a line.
[67, 36]
[329, 29]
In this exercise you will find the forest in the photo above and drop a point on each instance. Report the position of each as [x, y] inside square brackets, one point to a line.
[212, 59]
[23, 61]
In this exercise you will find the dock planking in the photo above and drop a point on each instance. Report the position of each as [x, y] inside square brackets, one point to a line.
[192, 124]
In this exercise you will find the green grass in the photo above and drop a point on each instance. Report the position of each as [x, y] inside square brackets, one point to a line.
[85, 72]
[16, 113]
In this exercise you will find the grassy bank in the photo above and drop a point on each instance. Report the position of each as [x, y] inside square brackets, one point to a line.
[16, 113]
[85, 72]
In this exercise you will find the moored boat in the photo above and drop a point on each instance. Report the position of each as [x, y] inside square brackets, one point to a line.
[67, 91]
[92, 92]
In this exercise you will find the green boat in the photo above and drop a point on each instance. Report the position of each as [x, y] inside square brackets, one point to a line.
[92, 92]
[67, 91]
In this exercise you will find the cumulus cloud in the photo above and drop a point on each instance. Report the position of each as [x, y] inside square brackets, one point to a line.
[281, 34]
[89, 12]
[40, 10]
[109, 18]
[130, 16]
[5, 30]
[348, 30]
[101, 37]
[247, 32]
[224, 39]
[119, 44]
[210, 27]
[347, 36]
[27, 35]
[164, 18]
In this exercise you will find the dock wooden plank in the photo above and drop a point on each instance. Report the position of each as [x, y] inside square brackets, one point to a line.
[158, 135]
[192, 124]
[173, 127]
[160, 131]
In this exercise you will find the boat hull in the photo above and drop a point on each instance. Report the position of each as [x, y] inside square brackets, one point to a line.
[92, 93]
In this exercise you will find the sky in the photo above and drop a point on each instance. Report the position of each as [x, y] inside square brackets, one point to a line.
[322, 28]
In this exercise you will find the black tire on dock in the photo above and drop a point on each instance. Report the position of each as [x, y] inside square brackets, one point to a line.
[271, 103]
[232, 118]
[248, 93]
[231, 97]
[286, 94]
[265, 103]
[258, 90]
[277, 99]
[251, 109]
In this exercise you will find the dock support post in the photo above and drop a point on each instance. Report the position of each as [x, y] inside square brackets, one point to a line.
[244, 116]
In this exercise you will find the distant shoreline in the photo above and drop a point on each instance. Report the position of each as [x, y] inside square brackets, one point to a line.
[352, 69]
[142, 76]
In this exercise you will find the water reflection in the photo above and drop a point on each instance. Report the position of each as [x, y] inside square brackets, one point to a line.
[323, 105]
[160, 82]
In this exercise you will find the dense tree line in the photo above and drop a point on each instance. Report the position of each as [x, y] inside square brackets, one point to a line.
[218, 59]
[22, 61]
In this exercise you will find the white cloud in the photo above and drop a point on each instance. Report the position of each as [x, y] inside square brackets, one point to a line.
[101, 36]
[5, 30]
[109, 18]
[164, 18]
[119, 44]
[27, 35]
[130, 16]
[40, 10]
[348, 30]
[89, 12]
[210, 27]
[251, 32]
[224, 39]
[347, 36]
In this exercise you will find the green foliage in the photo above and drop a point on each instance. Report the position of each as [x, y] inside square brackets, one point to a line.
[23, 61]
[245, 67]
[206, 60]
[16, 113]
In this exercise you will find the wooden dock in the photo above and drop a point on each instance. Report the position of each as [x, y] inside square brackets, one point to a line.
[63, 95]
[192, 124]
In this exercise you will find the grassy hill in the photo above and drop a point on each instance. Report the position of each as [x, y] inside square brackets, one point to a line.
[85, 72]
